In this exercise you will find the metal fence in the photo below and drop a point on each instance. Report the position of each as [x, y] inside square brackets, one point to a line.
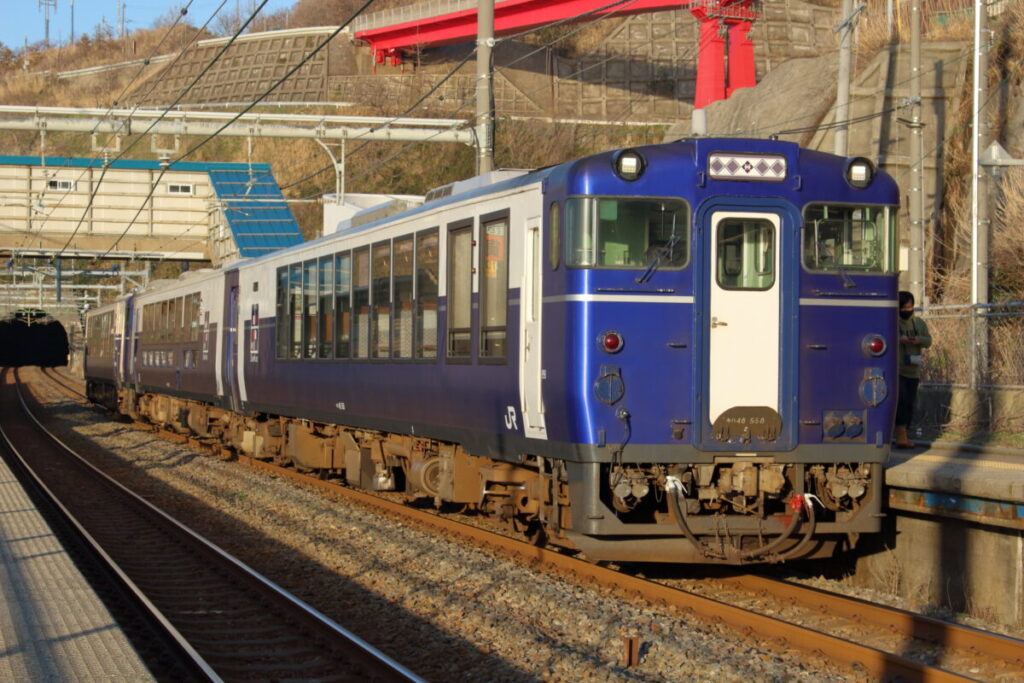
[977, 347]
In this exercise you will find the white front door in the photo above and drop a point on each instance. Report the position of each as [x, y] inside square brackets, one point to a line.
[743, 363]
[530, 369]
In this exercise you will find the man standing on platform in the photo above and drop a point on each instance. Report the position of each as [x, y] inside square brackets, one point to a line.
[914, 337]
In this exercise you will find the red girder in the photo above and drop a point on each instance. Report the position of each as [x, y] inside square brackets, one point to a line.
[510, 16]
[724, 28]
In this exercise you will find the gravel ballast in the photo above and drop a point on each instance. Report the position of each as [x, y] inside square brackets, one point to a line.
[447, 611]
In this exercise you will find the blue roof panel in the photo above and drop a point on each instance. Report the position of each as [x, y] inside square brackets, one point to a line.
[255, 210]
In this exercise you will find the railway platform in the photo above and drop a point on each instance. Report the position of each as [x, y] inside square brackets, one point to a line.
[972, 483]
[53, 626]
[955, 532]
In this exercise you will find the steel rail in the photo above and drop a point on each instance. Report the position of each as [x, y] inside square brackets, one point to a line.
[910, 624]
[381, 666]
[868, 660]
[200, 667]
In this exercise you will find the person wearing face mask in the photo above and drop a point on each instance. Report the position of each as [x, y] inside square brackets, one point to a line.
[914, 337]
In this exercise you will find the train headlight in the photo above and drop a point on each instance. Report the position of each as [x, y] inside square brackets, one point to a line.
[860, 172]
[612, 342]
[629, 164]
[873, 345]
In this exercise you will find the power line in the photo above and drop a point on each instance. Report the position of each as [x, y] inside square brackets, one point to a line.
[617, 4]
[106, 165]
[259, 99]
[166, 35]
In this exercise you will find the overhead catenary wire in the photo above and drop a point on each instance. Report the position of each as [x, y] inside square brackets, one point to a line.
[106, 164]
[461, 63]
[167, 33]
[256, 101]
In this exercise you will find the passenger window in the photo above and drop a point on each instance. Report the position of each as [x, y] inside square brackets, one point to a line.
[553, 234]
[460, 283]
[309, 310]
[426, 294]
[606, 232]
[381, 300]
[282, 313]
[326, 307]
[401, 343]
[295, 310]
[361, 304]
[494, 289]
[342, 304]
[746, 254]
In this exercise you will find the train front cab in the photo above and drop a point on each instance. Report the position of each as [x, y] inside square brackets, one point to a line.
[767, 442]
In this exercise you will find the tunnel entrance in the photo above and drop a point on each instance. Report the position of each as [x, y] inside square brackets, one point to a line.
[32, 337]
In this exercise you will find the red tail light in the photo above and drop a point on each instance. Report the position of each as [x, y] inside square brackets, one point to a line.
[873, 345]
[612, 342]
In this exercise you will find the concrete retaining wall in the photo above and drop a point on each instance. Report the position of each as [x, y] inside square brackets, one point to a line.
[962, 566]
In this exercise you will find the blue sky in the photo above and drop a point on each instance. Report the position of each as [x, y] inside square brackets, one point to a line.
[21, 19]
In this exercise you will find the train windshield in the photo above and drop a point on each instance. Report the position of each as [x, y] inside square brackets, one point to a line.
[849, 238]
[610, 232]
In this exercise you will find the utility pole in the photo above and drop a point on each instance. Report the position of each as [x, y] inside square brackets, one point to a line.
[841, 135]
[979, 198]
[484, 92]
[72, 22]
[120, 19]
[46, 5]
[916, 208]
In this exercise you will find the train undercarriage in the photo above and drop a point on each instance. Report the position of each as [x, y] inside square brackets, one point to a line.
[732, 511]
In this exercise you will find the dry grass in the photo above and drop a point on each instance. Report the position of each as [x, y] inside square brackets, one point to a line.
[940, 20]
[953, 353]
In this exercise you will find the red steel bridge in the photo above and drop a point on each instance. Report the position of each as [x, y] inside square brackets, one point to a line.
[725, 56]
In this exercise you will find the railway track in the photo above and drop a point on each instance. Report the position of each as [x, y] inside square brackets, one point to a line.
[908, 645]
[70, 386]
[238, 625]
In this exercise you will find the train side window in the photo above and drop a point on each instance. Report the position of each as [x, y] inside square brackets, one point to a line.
[381, 317]
[361, 304]
[855, 238]
[197, 301]
[460, 295]
[309, 310]
[343, 303]
[326, 311]
[295, 310]
[178, 308]
[427, 271]
[494, 287]
[554, 253]
[746, 254]
[401, 343]
[282, 312]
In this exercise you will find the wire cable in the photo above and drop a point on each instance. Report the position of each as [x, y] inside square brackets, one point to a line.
[166, 36]
[241, 113]
[107, 163]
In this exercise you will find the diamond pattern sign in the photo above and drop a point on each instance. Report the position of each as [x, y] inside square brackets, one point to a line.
[725, 166]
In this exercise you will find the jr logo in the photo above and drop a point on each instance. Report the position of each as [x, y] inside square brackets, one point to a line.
[510, 418]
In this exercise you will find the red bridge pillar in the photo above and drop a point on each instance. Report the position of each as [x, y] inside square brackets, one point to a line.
[742, 71]
[710, 64]
[719, 20]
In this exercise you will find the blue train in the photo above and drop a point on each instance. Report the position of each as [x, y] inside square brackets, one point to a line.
[681, 352]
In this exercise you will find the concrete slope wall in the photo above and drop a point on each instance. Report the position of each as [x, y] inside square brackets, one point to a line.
[645, 70]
